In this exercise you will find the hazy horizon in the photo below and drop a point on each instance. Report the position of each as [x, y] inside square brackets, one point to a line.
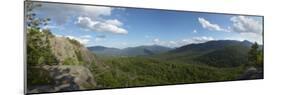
[162, 45]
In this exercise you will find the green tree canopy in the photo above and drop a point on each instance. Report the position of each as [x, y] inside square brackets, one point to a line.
[255, 55]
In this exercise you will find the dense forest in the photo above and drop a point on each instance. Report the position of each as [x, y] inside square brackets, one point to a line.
[53, 62]
[221, 64]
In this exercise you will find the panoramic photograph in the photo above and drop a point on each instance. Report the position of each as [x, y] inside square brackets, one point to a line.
[71, 47]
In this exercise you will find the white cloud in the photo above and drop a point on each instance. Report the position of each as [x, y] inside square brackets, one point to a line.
[182, 42]
[201, 39]
[96, 11]
[114, 22]
[242, 24]
[164, 43]
[90, 18]
[194, 31]
[156, 40]
[60, 13]
[234, 38]
[195, 40]
[83, 41]
[253, 37]
[124, 43]
[249, 28]
[210, 26]
[86, 36]
[112, 26]
[172, 42]
[86, 22]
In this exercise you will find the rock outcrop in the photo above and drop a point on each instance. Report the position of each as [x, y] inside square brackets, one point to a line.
[71, 72]
[68, 49]
[66, 78]
[251, 73]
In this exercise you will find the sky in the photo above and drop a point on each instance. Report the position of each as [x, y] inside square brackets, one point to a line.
[129, 27]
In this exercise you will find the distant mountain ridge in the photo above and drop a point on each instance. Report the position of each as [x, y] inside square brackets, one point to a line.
[130, 51]
[210, 45]
[157, 49]
[221, 53]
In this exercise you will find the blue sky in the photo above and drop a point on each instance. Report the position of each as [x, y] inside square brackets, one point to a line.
[129, 27]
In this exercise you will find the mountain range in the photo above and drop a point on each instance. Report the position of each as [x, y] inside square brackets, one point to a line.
[130, 51]
[157, 49]
[220, 53]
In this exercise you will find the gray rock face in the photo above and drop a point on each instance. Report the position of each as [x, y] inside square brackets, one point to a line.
[66, 78]
[251, 73]
[63, 49]
[70, 66]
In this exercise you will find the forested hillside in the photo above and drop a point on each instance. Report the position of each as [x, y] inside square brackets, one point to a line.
[130, 51]
[227, 61]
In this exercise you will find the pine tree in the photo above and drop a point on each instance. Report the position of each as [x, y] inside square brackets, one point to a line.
[255, 55]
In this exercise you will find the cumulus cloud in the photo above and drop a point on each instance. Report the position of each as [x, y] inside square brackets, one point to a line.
[242, 24]
[83, 41]
[91, 18]
[249, 28]
[157, 41]
[182, 42]
[112, 26]
[201, 39]
[114, 22]
[210, 26]
[60, 13]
